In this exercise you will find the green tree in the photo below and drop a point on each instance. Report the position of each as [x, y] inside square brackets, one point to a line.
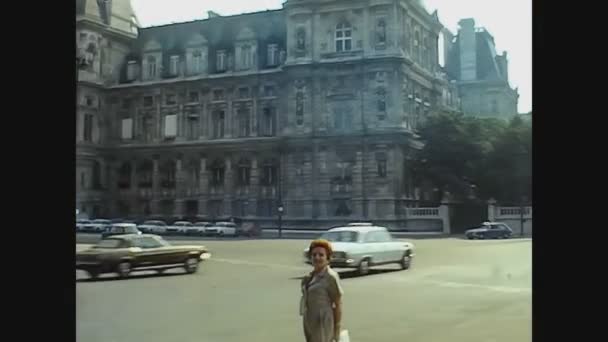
[464, 154]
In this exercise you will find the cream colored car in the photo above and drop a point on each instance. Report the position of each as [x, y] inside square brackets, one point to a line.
[361, 246]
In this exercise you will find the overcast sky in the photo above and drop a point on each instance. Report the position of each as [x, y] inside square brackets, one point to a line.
[510, 22]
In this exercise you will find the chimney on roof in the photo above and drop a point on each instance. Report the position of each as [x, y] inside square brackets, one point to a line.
[211, 14]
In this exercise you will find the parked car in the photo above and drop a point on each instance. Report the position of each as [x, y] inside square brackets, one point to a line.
[80, 224]
[153, 227]
[363, 246]
[121, 229]
[123, 254]
[97, 226]
[198, 228]
[221, 229]
[490, 230]
[179, 227]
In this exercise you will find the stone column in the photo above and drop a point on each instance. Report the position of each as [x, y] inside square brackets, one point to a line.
[492, 210]
[133, 176]
[254, 185]
[444, 213]
[228, 186]
[155, 177]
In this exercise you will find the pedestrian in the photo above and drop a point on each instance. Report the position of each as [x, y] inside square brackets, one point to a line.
[321, 302]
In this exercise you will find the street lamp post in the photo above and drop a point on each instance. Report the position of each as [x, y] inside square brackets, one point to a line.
[280, 210]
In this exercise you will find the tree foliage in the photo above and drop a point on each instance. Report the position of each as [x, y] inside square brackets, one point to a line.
[481, 157]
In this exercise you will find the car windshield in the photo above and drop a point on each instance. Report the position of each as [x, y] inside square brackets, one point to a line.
[341, 236]
[183, 224]
[201, 224]
[109, 243]
[101, 221]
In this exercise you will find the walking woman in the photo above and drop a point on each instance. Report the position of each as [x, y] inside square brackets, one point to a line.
[321, 303]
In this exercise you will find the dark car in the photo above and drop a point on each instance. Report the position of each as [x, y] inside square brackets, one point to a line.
[490, 230]
[121, 229]
[123, 254]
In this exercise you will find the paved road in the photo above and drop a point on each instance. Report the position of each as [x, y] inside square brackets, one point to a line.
[457, 290]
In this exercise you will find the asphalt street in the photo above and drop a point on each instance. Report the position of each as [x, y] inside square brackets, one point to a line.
[456, 290]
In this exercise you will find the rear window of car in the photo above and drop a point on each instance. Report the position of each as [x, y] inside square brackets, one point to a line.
[341, 236]
[183, 223]
[154, 223]
[201, 224]
[102, 221]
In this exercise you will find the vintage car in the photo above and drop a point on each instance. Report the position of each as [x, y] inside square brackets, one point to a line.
[490, 230]
[179, 227]
[97, 226]
[153, 227]
[123, 254]
[361, 246]
[221, 229]
[198, 228]
[121, 229]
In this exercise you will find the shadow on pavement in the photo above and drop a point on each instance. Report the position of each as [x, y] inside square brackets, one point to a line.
[133, 276]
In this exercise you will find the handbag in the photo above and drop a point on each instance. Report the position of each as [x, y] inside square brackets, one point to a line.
[344, 336]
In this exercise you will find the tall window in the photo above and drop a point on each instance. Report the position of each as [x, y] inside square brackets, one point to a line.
[221, 60]
[381, 164]
[193, 126]
[131, 65]
[343, 37]
[244, 173]
[88, 127]
[151, 67]
[218, 95]
[246, 57]
[268, 122]
[269, 174]
[218, 124]
[417, 46]
[381, 102]
[217, 173]
[273, 55]
[197, 61]
[243, 119]
[173, 65]
[381, 31]
[299, 107]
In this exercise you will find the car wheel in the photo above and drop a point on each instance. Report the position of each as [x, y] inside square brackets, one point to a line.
[124, 269]
[481, 236]
[364, 267]
[406, 261]
[191, 265]
[470, 237]
[220, 233]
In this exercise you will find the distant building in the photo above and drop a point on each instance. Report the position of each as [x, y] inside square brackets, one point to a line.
[482, 76]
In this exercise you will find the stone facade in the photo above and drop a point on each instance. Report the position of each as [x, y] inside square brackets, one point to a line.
[313, 106]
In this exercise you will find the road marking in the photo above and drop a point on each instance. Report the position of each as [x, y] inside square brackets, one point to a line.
[496, 288]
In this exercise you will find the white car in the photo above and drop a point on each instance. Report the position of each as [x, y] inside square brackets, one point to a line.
[97, 226]
[361, 246]
[198, 228]
[221, 229]
[153, 227]
[179, 227]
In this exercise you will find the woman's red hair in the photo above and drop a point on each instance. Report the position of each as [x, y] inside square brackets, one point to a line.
[321, 243]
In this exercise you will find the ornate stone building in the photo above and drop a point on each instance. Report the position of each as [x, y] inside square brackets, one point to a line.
[313, 106]
[482, 75]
